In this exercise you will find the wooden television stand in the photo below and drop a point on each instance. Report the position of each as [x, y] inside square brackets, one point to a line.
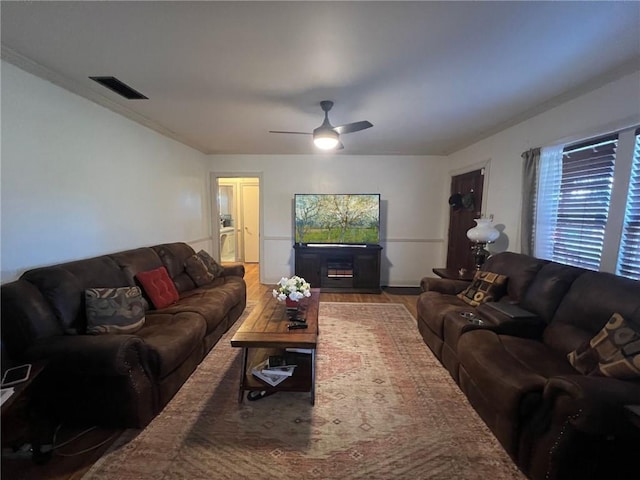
[339, 268]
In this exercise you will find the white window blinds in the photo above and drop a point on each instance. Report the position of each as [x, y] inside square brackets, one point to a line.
[629, 257]
[576, 206]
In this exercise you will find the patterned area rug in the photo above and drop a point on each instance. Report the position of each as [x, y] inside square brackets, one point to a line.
[385, 409]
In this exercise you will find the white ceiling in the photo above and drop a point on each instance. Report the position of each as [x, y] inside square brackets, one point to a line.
[432, 77]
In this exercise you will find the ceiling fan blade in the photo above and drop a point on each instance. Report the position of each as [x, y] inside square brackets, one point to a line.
[296, 133]
[353, 127]
[340, 146]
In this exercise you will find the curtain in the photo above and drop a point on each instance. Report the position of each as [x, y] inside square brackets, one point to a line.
[629, 254]
[548, 196]
[530, 168]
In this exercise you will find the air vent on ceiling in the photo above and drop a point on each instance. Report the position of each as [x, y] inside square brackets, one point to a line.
[112, 83]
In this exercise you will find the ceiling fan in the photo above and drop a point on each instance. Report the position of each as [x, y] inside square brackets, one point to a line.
[326, 136]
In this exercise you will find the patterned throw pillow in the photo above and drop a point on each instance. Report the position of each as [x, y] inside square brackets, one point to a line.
[197, 270]
[114, 310]
[613, 352]
[159, 287]
[214, 267]
[485, 287]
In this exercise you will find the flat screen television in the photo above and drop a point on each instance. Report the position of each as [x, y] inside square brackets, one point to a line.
[337, 219]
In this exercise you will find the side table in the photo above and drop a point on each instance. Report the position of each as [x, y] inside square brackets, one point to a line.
[454, 274]
[19, 415]
[633, 414]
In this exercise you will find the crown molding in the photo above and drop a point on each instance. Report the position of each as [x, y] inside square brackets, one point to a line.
[50, 75]
[627, 68]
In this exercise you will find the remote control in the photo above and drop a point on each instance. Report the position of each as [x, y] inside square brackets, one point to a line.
[295, 326]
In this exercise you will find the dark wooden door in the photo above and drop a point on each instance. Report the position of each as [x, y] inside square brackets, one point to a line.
[466, 193]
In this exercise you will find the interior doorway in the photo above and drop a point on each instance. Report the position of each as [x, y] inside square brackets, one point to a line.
[250, 204]
[237, 216]
[465, 206]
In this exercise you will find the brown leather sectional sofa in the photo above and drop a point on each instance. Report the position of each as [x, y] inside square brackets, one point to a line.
[555, 422]
[115, 379]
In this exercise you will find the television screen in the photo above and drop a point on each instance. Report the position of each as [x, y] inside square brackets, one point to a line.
[352, 219]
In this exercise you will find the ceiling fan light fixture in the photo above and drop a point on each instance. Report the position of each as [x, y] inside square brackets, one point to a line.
[326, 136]
[325, 139]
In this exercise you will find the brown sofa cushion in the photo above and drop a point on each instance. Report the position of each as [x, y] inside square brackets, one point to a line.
[170, 339]
[613, 352]
[173, 256]
[521, 270]
[114, 310]
[214, 267]
[548, 288]
[63, 286]
[198, 271]
[485, 287]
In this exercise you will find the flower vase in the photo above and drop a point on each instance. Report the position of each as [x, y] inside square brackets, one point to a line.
[291, 304]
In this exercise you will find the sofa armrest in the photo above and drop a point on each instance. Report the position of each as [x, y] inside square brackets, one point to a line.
[525, 327]
[90, 355]
[101, 379]
[234, 270]
[514, 327]
[443, 285]
[591, 404]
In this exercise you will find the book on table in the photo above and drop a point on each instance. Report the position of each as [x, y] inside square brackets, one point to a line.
[284, 371]
[299, 350]
[286, 360]
[261, 371]
[280, 365]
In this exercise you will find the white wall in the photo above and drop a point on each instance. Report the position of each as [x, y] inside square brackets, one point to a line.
[415, 189]
[412, 193]
[611, 107]
[78, 180]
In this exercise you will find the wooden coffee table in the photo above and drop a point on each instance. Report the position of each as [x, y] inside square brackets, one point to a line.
[265, 332]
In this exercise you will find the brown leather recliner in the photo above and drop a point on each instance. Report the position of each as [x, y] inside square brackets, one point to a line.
[552, 420]
[115, 379]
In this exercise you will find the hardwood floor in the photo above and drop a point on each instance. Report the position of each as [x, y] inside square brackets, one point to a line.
[67, 464]
[257, 291]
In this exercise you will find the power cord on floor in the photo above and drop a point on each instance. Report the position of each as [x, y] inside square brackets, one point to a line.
[56, 446]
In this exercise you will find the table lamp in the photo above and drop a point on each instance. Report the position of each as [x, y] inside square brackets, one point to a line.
[483, 233]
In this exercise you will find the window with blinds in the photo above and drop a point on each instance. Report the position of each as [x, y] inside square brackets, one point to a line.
[629, 256]
[582, 202]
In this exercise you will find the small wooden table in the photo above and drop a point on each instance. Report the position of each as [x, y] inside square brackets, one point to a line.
[454, 274]
[265, 333]
[19, 414]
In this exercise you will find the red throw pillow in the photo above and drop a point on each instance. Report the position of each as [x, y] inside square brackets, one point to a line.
[159, 287]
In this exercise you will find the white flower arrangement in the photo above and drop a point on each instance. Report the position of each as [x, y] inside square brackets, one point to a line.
[293, 288]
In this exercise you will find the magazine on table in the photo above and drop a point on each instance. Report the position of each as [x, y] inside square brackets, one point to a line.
[300, 350]
[283, 364]
[272, 379]
[286, 371]
[279, 361]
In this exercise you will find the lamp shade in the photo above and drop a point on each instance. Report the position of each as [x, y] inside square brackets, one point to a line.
[325, 137]
[483, 232]
[325, 143]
